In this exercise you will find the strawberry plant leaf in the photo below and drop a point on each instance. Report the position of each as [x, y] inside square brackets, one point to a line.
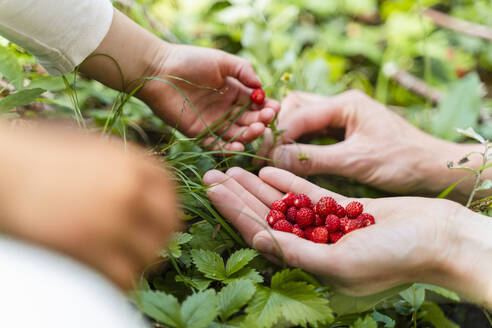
[234, 296]
[288, 275]
[199, 310]
[204, 237]
[198, 283]
[433, 314]
[367, 322]
[209, 263]
[441, 291]
[10, 68]
[174, 246]
[160, 306]
[414, 296]
[387, 321]
[239, 260]
[20, 98]
[245, 274]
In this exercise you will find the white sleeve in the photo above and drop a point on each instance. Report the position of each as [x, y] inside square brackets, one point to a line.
[59, 33]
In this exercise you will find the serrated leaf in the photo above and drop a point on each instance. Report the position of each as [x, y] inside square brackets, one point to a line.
[290, 275]
[367, 322]
[234, 296]
[174, 246]
[239, 260]
[486, 185]
[245, 274]
[209, 263]
[10, 68]
[433, 314]
[344, 304]
[198, 283]
[379, 317]
[199, 310]
[160, 306]
[471, 133]
[20, 98]
[441, 291]
[459, 109]
[414, 296]
[204, 237]
[295, 302]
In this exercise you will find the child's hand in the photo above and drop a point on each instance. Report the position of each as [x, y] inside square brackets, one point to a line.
[413, 240]
[85, 197]
[220, 81]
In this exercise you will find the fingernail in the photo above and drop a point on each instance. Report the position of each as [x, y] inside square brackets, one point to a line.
[263, 244]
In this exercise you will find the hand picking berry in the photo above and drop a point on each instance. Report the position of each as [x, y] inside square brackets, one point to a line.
[323, 222]
[258, 96]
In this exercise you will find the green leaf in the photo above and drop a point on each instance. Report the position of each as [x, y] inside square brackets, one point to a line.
[199, 310]
[160, 307]
[204, 237]
[209, 263]
[486, 185]
[471, 133]
[460, 108]
[239, 260]
[288, 275]
[367, 322]
[441, 291]
[245, 274]
[414, 296]
[20, 98]
[50, 83]
[379, 317]
[175, 243]
[198, 283]
[10, 68]
[295, 302]
[234, 296]
[433, 314]
[343, 304]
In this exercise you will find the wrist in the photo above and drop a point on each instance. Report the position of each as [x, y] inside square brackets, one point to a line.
[464, 263]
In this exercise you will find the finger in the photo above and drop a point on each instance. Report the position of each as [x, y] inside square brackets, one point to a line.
[232, 207]
[244, 134]
[240, 69]
[264, 115]
[223, 146]
[297, 252]
[308, 160]
[286, 181]
[258, 204]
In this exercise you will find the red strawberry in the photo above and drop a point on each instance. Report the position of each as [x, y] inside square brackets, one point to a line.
[279, 205]
[305, 217]
[332, 223]
[318, 220]
[325, 206]
[368, 219]
[308, 233]
[283, 225]
[302, 201]
[274, 216]
[340, 211]
[298, 231]
[352, 225]
[258, 96]
[291, 214]
[289, 198]
[335, 236]
[320, 235]
[354, 209]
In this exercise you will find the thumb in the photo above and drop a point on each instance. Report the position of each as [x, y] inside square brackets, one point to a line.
[240, 69]
[296, 252]
[306, 160]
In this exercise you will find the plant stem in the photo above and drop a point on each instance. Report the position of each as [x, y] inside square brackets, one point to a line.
[478, 175]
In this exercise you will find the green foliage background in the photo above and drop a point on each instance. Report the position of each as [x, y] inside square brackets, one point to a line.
[210, 279]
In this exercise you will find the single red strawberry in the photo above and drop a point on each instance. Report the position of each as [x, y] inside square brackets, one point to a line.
[367, 218]
[303, 201]
[274, 216]
[289, 198]
[352, 225]
[318, 220]
[340, 211]
[320, 235]
[278, 205]
[325, 206]
[305, 217]
[291, 214]
[308, 233]
[335, 236]
[258, 96]
[354, 209]
[296, 230]
[283, 225]
[332, 223]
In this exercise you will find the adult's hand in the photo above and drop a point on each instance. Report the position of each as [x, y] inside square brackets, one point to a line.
[217, 82]
[110, 208]
[379, 148]
[413, 240]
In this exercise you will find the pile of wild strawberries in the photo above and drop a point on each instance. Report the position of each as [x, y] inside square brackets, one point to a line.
[325, 222]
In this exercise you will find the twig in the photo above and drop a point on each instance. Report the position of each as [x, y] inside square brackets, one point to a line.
[459, 25]
[412, 83]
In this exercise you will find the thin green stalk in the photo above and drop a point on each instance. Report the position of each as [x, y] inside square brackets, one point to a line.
[478, 176]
